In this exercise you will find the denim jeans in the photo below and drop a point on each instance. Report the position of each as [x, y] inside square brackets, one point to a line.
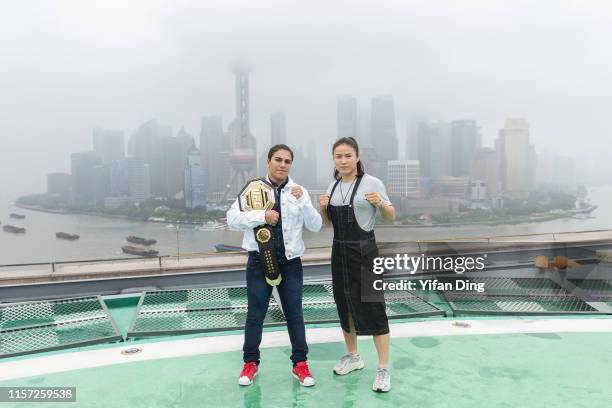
[258, 292]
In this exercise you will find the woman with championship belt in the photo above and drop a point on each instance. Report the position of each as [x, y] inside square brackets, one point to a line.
[273, 238]
[351, 204]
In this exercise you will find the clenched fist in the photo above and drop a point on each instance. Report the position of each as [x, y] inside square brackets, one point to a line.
[324, 200]
[297, 192]
[271, 217]
[374, 199]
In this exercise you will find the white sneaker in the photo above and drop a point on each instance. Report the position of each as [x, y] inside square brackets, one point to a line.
[348, 363]
[382, 381]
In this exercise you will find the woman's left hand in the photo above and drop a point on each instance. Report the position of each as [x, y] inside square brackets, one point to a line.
[297, 192]
[374, 199]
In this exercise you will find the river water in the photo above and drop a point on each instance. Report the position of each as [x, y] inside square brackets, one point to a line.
[102, 238]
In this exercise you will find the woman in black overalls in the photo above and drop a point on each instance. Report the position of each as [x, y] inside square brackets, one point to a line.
[361, 308]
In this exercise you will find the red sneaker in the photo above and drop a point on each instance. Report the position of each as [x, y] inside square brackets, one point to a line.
[249, 371]
[302, 373]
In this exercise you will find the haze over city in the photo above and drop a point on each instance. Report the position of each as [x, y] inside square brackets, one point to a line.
[67, 67]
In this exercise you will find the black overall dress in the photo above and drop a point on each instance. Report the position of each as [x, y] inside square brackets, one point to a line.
[353, 254]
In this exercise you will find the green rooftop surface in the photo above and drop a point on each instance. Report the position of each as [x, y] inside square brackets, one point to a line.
[512, 370]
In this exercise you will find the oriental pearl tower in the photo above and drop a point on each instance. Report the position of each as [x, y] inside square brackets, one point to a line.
[243, 158]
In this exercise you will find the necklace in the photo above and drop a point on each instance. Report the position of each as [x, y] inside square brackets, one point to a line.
[344, 197]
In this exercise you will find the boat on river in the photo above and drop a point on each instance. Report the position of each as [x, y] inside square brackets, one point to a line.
[134, 250]
[14, 229]
[141, 241]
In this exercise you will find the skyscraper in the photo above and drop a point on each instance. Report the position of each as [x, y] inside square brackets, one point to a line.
[214, 149]
[347, 116]
[434, 149]
[139, 179]
[177, 149]
[101, 183]
[370, 161]
[278, 128]
[403, 178]
[109, 144]
[84, 177]
[441, 154]
[195, 180]
[515, 157]
[484, 166]
[465, 140]
[304, 170]
[278, 135]
[383, 134]
[149, 142]
[119, 178]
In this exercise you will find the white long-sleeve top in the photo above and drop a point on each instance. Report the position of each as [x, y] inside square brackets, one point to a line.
[295, 214]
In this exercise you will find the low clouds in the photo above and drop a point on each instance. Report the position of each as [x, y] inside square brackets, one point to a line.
[69, 66]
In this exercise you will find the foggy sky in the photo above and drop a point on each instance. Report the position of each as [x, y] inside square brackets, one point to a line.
[69, 66]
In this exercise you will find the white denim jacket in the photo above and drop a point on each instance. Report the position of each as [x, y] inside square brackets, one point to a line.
[295, 214]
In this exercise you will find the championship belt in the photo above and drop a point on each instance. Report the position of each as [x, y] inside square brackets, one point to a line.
[259, 195]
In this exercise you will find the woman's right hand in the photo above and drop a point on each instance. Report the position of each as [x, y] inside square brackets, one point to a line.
[324, 200]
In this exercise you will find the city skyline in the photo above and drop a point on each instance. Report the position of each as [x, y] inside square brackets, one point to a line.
[449, 155]
[64, 73]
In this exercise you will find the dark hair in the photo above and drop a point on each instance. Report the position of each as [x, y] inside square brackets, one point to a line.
[349, 141]
[278, 147]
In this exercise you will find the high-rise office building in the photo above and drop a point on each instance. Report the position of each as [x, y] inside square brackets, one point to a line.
[139, 179]
[516, 161]
[177, 149]
[101, 182]
[278, 135]
[85, 175]
[383, 133]
[465, 140]
[278, 128]
[434, 149]
[195, 180]
[484, 167]
[371, 163]
[119, 178]
[299, 171]
[347, 116]
[441, 155]
[262, 167]
[403, 178]
[109, 144]
[149, 143]
[214, 149]
[186, 142]
[304, 170]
